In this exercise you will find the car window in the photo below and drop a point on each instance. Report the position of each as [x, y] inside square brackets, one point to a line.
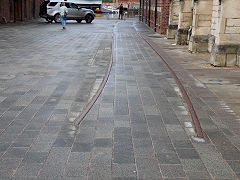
[52, 4]
[67, 5]
[73, 5]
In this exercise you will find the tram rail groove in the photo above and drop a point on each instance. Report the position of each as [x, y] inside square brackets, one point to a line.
[100, 89]
[196, 123]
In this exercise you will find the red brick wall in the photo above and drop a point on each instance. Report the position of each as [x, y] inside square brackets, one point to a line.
[162, 14]
[24, 9]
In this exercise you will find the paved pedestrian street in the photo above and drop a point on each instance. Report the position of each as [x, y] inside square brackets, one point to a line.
[138, 129]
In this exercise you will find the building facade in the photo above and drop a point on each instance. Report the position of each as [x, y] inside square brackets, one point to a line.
[19, 10]
[155, 13]
[204, 25]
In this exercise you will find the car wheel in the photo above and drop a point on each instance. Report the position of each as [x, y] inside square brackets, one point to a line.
[88, 18]
[79, 21]
[49, 20]
[57, 18]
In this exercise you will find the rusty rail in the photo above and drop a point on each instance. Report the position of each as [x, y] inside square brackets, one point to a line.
[193, 114]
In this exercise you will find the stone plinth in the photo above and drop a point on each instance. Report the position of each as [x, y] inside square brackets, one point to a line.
[224, 41]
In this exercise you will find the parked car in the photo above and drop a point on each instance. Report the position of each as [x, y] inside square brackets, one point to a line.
[74, 12]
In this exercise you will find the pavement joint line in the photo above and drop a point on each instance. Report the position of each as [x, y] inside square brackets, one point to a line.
[194, 117]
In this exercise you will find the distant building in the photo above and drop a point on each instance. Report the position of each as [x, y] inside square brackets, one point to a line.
[155, 13]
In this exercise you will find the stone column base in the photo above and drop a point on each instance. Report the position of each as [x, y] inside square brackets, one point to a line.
[171, 31]
[181, 36]
[225, 55]
[198, 44]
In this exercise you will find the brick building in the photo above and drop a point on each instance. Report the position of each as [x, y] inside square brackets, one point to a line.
[19, 10]
[155, 13]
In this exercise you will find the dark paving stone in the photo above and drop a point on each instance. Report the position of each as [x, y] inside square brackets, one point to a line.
[168, 158]
[82, 147]
[22, 142]
[139, 134]
[187, 154]
[17, 108]
[231, 154]
[62, 141]
[35, 157]
[142, 142]
[34, 126]
[4, 146]
[121, 158]
[182, 144]
[39, 100]
[8, 165]
[103, 142]
[235, 165]
[122, 130]
[15, 152]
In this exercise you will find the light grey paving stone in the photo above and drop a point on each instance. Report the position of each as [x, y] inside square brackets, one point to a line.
[171, 171]
[124, 170]
[214, 162]
[193, 165]
[168, 158]
[100, 172]
[148, 168]
[198, 175]
[54, 166]
[28, 169]
[24, 178]
[76, 170]
[75, 178]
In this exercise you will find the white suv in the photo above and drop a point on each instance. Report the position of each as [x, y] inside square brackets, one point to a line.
[74, 12]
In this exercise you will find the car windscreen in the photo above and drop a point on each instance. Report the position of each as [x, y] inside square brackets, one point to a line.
[72, 5]
[52, 3]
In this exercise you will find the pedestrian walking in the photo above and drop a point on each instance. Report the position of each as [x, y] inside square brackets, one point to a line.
[120, 12]
[63, 13]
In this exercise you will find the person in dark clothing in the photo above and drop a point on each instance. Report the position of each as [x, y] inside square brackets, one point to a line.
[120, 11]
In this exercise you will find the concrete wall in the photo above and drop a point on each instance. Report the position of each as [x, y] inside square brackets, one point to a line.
[201, 25]
[224, 42]
[173, 19]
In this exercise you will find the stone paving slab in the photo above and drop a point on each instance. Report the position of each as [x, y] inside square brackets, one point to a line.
[139, 128]
[215, 122]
